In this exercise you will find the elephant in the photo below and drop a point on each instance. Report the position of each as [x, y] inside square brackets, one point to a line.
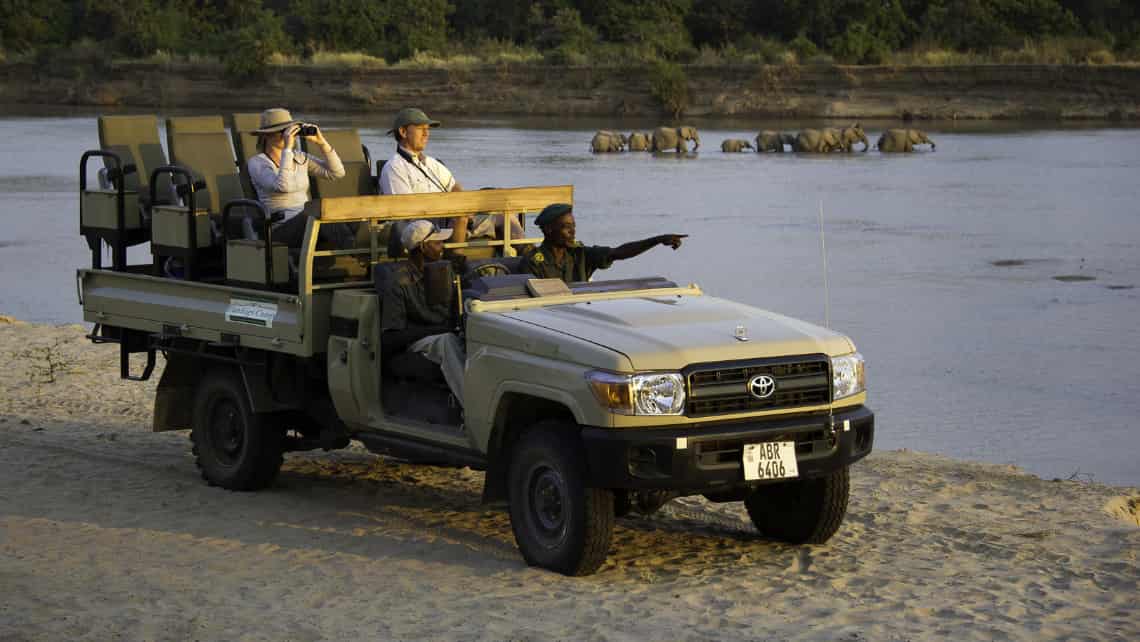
[639, 142]
[620, 136]
[674, 138]
[814, 140]
[903, 140]
[772, 141]
[735, 145]
[607, 142]
[851, 135]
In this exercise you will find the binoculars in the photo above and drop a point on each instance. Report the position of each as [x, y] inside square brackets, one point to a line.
[307, 130]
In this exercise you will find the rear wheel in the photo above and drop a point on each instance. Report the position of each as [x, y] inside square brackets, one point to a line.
[559, 523]
[805, 511]
[233, 446]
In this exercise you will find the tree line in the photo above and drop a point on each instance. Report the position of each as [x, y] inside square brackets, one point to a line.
[245, 34]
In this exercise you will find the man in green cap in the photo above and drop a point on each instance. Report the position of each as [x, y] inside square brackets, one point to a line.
[411, 171]
[561, 256]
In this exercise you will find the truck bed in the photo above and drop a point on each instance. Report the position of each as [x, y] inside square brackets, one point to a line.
[210, 312]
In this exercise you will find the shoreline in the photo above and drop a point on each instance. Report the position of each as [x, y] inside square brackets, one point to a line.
[106, 530]
[907, 93]
[32, 348]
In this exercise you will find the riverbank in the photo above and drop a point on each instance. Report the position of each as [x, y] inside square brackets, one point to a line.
[107, 531]
[1031, 92]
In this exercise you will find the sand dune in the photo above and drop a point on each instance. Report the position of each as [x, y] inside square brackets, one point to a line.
[106, 531]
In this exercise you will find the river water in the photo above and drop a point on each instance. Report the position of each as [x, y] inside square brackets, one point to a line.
[991, 285]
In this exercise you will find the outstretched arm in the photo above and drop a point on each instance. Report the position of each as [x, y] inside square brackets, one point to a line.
[633, 248]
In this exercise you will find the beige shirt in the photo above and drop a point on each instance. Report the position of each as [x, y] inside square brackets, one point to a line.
[286, 187]
[407, 173]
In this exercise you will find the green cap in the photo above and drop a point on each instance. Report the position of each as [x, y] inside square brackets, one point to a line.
[551, 212]
[412, 116]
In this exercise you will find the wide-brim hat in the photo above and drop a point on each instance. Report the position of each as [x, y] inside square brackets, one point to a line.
[411, 116]
[421, 231]
[275, 120]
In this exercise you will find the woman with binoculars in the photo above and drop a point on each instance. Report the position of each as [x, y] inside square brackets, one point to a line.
[280, 174]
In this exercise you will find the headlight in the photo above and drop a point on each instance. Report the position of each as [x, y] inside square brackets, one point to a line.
[847, 376]
[653, 393]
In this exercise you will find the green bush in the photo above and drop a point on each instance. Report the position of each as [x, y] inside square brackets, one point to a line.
[670, 86]
[803, 47]
[420, 25]
[858, 46]
[247, 48]
[760, 49]
[30, 24]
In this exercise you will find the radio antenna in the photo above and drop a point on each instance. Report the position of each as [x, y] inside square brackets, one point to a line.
[823, 251]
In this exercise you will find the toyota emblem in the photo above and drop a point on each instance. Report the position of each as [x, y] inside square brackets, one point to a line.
[762, 386]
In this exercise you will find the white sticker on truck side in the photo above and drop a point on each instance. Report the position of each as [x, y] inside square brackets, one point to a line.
[256, 313]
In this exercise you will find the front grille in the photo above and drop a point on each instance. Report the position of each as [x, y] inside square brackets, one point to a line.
[717, 389]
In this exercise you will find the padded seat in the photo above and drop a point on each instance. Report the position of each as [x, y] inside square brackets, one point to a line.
[245, 122]
[358, 179]
[208, 157]
[245, 144]
[134, 141]
[192, 125]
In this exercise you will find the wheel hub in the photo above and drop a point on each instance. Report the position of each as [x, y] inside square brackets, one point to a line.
[227, 432]
[548, 501]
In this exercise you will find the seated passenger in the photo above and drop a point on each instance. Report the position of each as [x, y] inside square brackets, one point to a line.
[562, 257]
[412, 171]
[408, 323]
[280, 174]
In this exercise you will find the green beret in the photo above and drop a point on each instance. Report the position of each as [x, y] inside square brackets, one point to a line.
[551, 213]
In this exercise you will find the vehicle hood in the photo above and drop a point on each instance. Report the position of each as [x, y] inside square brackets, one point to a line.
[668, 333]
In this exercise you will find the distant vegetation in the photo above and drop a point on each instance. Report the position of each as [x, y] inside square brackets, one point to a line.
[246, 36]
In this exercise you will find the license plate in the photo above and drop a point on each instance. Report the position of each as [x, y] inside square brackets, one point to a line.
[770, 460]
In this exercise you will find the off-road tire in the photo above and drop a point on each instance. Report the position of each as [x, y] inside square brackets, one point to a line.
[233, 447]
[805, 511]
[559, 523]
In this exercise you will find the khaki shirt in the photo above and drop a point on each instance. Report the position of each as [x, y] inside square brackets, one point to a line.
[405, 302]
[579, 263]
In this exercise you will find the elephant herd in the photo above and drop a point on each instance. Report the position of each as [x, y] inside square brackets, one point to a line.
[662, 139]
[809, 140]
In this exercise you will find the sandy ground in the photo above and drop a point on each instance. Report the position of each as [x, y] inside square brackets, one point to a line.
[106, 532]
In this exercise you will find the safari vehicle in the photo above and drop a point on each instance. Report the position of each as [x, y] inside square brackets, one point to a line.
[584, 401]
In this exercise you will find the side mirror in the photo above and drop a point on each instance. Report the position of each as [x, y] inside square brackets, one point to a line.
[439, 280]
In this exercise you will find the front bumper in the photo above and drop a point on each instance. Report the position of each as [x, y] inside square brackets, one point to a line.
[708, 457]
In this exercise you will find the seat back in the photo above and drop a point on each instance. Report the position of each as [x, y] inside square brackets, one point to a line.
[135, 140]
[211, 159]
[245, 122]
[192, 125]
[358, 179]
[383, 275]
[245, 144]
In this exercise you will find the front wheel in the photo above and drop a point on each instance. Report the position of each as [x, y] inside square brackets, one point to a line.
[233, 447]
[559, 523]
[805, 511]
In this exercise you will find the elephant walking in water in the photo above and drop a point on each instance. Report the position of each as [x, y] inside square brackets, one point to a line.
[848, 136]
[674, 139]
[814, 140]
[640, 142]
[607, 141]
[735, 145]
[773, 141]
[903, 140]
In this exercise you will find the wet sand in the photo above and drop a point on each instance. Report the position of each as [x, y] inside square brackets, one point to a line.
[107, 532]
